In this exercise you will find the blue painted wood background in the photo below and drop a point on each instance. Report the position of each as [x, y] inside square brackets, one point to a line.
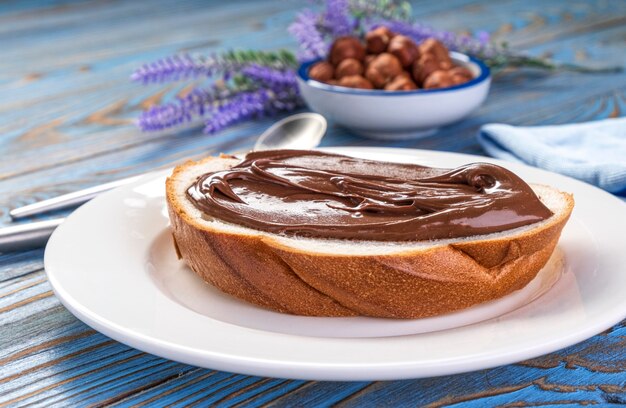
[66, 110]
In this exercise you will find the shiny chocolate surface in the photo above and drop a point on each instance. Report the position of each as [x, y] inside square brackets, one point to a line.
[317, 194]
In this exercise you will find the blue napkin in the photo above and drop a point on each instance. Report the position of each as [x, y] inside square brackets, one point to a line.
[594, 152]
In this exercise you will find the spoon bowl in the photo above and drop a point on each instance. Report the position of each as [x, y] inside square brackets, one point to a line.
[300, 131]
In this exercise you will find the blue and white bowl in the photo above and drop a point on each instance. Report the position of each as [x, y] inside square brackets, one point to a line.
[397, 115]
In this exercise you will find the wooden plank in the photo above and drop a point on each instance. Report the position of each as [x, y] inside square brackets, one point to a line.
[16, 264]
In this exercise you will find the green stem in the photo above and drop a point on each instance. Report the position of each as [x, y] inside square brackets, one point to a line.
[512, 60]
[585, 69]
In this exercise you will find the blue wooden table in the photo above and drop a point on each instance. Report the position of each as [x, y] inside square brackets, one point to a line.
[66, 122]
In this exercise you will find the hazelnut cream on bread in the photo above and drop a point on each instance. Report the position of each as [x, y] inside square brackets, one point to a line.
[319, 234]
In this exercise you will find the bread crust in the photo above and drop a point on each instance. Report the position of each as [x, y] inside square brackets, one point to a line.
[413, 283]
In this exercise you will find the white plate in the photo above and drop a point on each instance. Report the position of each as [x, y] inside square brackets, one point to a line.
[112, 265]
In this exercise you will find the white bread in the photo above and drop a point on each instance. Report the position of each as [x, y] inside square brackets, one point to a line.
[332, 277]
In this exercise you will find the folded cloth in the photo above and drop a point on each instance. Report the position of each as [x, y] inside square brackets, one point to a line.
[594, 152]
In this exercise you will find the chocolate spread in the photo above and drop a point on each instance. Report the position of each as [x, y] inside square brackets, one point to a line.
[317, 194]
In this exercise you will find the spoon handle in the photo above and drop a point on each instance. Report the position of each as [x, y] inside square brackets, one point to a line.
[27, 236]
[67, 200]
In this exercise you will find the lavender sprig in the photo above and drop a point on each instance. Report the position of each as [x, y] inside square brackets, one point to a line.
[286, 99]
[305, 30]
[252, 104]
[180, 67]
[270, 77]
[336, 20]
[172, 68]
[184, 109]
[164, 116]
[281, 59]
[243, 106]
[254, 90]
[315, 31]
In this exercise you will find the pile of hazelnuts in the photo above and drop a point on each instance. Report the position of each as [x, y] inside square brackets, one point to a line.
[389, 61]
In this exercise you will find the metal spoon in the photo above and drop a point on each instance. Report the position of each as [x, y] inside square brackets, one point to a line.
[300, 131]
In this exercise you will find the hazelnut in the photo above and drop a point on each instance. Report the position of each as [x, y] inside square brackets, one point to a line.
[457, 80]
[432, 46]
[346, 47]
[438, 79]
[383, 69]
[404, 49]
[348, 67]
[423, 67]
[368, 60]
[378, 39]
[355, 81]
[321, 71]
[460, 75]
[402, 82]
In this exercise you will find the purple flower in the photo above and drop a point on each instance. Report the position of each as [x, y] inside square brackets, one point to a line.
[311, 29]
[337, 20]
[172, 68]
[284, 99]
[483, 37]
[311, 40]
[163, 117]
[252, 104]
[273, 78]
[183, 110]
[227, 64]
[245, 105]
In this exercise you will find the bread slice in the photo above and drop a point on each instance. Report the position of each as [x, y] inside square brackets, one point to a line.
[333, 277]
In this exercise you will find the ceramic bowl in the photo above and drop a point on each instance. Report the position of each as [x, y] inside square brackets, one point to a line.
[397, 115]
